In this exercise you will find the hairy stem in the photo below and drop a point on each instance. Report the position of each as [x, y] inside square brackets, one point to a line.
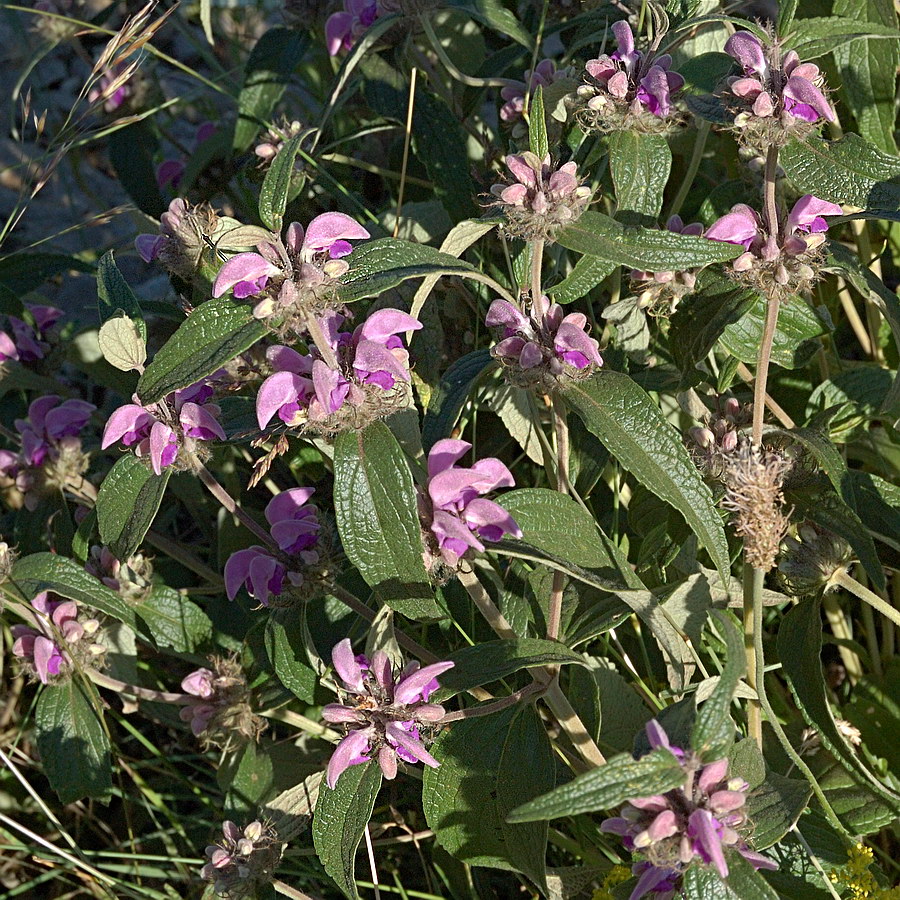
[486, 709]
[753, 584]
[849, 583]
[232, 506]
[486, 606]
[134, 690]
[537, 261]
[561, 428]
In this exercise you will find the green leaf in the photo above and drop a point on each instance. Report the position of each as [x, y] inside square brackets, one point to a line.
[127, 503]
[606, 787]
[774, 808]
[72, 741]
[24, 272]
[586, 274]
[378, 266]
[114, 294]
[648, 249]
[439, 143]
[492, 660]
[267, 73]
[713, 731]
[639, 165]
[286, 650]
[253, 780]
[555, 523]
[871, 287]
[743, 882]
[493, 14]
[799, 649]
[213, 334]
[703, 316]
[376, 512]
[703, 73]
[537, 125]
[815, 37]
[829, 458]
[850, 171]
[488, 766]
[787, 9]
[795, 335]
[878, 502]
[868, 71]
[633, 429]
[131, 150]
[340, 819]
[49, 572]
[273, 195]
[174, 621]
[448, 400]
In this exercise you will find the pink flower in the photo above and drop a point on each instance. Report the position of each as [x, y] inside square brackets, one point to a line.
[111, 89]
[294, 526]
[543, 75]
[772, 85]
[307, 388]
[27, 344]
[383, 712]
[454, 508]
[547, 337]
[161, 430]
[343, 29]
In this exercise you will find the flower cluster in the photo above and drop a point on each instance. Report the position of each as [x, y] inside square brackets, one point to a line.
[543, 346]
[274, 139]
[132, 578]
[51, 456]
[243, 861]
[383, 712]
[542, 199]
[181, 242]
[711, 444]
[218, 703]
[856, 875]
[296, 567]
[344, 28]
[56, 638]
[171, 431]
[787, 260]
[296, 276]
[543, 75]
[694, 822]
[777, 98]
[808, 562]
[661, 292]
[25, 343]
[628, 89]
[455, 515]
[352, 386]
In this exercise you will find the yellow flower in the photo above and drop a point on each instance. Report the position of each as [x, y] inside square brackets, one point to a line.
[616, 875]
[856, 876]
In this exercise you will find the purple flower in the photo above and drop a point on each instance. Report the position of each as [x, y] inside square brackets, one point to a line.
[47, 647]
[547, 338]
[170, 171]
[696, 821]
[383, 712]
[773, 87]
[243, 861]
[306, 260]
[629, 80]
[543, 75]
[306, 388]
[454, 509]
[343, 29]
[112, 88]
[27, 344]
[803, 232]
[543, 198]
[294, 526]
[161, 430]
[201, 685]
[149, 246]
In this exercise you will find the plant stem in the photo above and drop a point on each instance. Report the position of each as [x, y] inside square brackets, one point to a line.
[693, 166]
[537, 261]
[753, 584]
[232, 506]
[486, 709]
[839, 628]
[121, 687]
[561, 428]
[849, 583]
[486, 606]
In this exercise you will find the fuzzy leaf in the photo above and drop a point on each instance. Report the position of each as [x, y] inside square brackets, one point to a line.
[375, 508]
[273, 195]
[213, 334]
[340, 819]
[174, 620]
[639, 165]
[286, 650]
[114, 295]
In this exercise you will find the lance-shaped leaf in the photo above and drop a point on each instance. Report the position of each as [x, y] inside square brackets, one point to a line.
[376, 512]
[273, 195]
[114, 295]
[639, 165]
[630, 425]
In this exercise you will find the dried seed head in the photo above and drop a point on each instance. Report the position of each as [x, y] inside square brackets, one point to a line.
[753, 479]
[808, 562]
